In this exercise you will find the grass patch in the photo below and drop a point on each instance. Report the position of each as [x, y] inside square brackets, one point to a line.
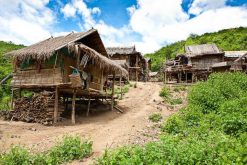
[179, 88]
[175, 101]
[155, 117]
[70, 148]
[165, 92]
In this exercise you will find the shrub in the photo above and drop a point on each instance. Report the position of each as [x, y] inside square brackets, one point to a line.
[165, 92]
[175, 101]
[155, 117]
[16, 156]
[70, 148]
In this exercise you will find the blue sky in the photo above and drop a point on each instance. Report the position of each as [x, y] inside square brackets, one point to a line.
[148, 24]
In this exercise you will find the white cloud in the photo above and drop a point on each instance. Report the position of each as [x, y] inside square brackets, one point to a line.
[68, 11]
[163, 21]
[25, 21]
[199, 6]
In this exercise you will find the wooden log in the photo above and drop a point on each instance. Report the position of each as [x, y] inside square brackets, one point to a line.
[113, 91]
[56, 105]
[73, 107]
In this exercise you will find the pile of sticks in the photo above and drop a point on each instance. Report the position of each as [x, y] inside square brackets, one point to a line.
[37, 109]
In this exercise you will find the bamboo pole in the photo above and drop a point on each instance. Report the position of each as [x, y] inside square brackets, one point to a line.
[73, 107]
[56, 105]
[113, 92]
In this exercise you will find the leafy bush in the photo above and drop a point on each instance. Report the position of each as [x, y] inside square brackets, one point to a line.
[175, 101]
[212, 129]
[71, 148]
[16, 156]
[165, 92]
[155, 117]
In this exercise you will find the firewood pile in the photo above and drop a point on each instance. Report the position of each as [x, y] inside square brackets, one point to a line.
[37, 109]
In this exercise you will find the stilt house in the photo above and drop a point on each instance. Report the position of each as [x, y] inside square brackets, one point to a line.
[233, 61]
[55, 63]
[133, 60]
[195, 64]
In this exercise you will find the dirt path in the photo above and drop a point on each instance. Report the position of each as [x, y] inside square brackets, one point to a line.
[108, 129]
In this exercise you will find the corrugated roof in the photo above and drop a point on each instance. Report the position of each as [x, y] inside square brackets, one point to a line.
[200, 50]
[235, 54]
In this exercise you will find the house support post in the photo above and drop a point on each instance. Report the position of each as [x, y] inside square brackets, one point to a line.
[73, 107]
[12, 99]
[113, 91]
[186, 77]
[56, 105]
[121, 90]
[88, 105]
[165, 77]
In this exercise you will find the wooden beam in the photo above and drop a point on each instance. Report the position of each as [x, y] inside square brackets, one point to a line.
[113, 91]
[56, 105]
[73, 107]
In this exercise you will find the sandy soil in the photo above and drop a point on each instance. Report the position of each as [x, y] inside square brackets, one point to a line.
[107, 129]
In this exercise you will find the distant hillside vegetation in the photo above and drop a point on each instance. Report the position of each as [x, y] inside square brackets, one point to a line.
[229, 39]
[5, 69]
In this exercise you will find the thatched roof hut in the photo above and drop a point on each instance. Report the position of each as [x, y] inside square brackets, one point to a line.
[201, 50]
[121, 50]
[92, 45]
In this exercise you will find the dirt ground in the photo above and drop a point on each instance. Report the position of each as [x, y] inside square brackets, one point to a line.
[107, 129]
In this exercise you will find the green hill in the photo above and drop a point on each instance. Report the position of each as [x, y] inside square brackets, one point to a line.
[229, 39]
[5, 69]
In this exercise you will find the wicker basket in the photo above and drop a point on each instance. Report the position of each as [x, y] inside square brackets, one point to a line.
[75, 80]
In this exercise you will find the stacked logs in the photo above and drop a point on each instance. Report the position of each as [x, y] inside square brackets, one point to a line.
[37, 109]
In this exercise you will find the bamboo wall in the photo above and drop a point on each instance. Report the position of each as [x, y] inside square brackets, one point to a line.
[35, 77]
[205, 62]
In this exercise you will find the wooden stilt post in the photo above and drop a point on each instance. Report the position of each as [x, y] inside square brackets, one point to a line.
[56, 105]
[113, 92]
[20, 93]
[73, 107]
[192, 79]
[165, 77]
[12, 99]
[121, 90]
[88, 106]
[180, 75]
[186, 77]
[66, 103]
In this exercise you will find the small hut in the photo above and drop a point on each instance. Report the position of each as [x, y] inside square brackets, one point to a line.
[74, 66]
[135, 63]
[233, 61]
[194, 65]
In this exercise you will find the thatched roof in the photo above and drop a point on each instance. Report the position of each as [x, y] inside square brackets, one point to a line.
[235, 54]
[101, 61]
[201, 50]
[45, 49]
[122, 63]
[121, 50]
